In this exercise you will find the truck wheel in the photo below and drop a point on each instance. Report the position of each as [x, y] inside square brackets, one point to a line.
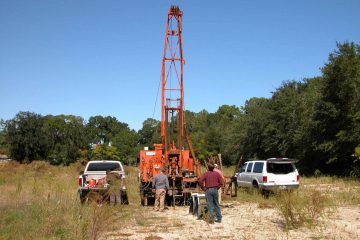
[255, 187]
[83, 198]
[265, 193]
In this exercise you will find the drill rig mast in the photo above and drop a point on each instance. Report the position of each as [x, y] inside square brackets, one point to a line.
[178, 158]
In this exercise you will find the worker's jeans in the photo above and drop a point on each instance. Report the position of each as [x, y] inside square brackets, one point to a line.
[219, 193]
[159, 199]
[212, 200]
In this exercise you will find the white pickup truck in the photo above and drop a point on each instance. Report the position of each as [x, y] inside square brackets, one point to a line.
[103, 180]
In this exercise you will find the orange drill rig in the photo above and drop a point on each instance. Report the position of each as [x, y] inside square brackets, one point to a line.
[175, 153]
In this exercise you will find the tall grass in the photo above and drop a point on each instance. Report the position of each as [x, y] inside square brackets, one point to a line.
[341, 191]
[315, 200]
[299, 210]
[39, 201]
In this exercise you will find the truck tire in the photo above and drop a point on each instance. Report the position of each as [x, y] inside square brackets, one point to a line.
[83, 197]
[265, 193]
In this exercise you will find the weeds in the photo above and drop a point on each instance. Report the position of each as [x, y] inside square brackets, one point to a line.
[39, 201]
[289, 210]
[101, 216]
[298, 209]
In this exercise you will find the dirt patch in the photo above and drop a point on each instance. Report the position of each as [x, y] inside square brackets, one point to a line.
[240, 221]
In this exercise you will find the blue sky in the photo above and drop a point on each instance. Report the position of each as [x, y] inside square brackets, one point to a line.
[90, 58]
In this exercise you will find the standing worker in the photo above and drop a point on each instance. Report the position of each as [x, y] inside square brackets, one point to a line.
[213, 181]
[216, 169]
[160, 185]
[113, 179]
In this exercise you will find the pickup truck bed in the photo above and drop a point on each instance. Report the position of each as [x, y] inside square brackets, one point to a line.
[103, 181]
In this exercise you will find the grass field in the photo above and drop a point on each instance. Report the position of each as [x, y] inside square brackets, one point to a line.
[40, 201]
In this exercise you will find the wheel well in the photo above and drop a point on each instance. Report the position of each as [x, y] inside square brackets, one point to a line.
[255, 183]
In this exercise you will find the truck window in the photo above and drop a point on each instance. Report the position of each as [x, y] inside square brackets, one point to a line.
[258, 167]
[104, 166]
[280, 168]
[249, 167]
[243, 168]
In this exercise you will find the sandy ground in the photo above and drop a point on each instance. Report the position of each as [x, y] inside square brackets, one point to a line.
[240, 221]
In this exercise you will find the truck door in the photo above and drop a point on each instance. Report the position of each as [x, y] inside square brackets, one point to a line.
[248, 175]
[241, 176]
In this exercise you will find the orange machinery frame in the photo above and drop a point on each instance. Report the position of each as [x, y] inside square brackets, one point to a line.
[180, 163]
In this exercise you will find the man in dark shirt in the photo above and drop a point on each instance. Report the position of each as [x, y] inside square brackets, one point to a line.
[211, 181]
[160, 185]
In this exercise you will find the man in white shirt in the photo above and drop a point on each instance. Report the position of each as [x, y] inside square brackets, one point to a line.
[216, 169]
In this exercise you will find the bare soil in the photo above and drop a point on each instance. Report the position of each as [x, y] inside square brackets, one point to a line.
[240, 221]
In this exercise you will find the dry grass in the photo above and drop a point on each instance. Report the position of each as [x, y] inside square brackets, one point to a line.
[39, 201]
[316, 199]
[341, 191]
[299, 210]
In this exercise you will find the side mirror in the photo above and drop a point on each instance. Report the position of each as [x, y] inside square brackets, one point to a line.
[81, 172]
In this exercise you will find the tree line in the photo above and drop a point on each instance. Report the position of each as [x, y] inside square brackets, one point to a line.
[315, 120]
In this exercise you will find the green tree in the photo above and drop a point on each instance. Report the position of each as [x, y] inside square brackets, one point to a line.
[197, 126]
[150, 133]
[223, 124]
[3, 144]
[104, 152]
[126, 142]
[102, 129]
[114, 139]
[337, 113]
[357, 153]
[255, 130]
[65, 137]
[26, 137]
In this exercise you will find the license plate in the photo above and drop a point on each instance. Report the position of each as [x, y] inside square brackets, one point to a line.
[282, 187]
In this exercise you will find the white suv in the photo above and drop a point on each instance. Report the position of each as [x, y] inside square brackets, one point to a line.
[269, 174]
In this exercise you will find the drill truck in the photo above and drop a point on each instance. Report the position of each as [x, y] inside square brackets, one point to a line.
[175, 152]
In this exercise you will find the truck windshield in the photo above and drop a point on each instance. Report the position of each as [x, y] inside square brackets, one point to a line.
[102, 166]
[279, 168]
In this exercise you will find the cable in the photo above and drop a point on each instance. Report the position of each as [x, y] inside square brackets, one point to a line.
[157, 96]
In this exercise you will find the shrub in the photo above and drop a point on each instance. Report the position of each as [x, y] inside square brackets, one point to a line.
[300, 209]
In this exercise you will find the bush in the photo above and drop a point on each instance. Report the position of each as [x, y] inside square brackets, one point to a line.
[298, 210]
